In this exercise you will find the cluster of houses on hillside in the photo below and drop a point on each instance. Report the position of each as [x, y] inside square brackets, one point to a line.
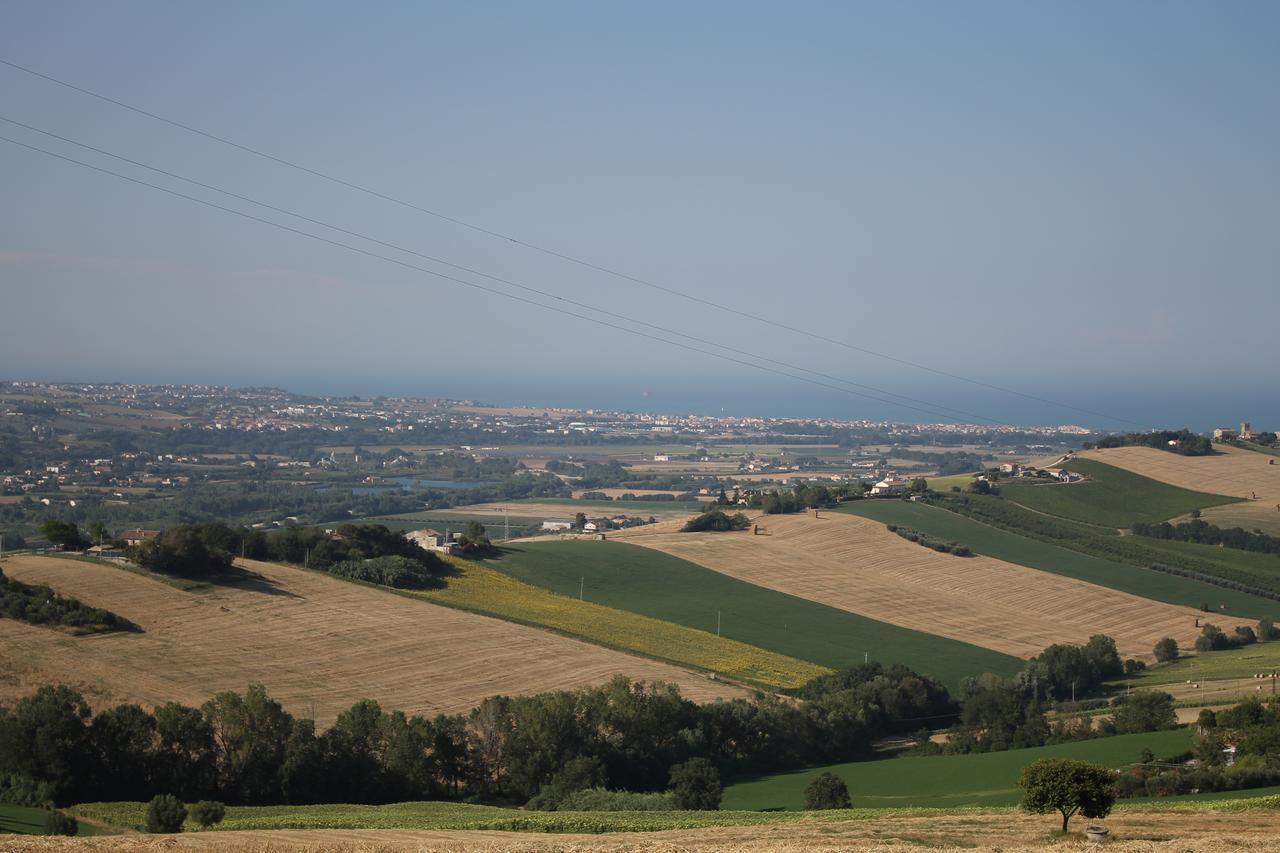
[592, 525]
[1062, 475]
[1245, 433]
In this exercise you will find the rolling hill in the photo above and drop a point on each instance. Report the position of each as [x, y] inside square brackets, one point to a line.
[1134, 579]
[317, 643]
[1111, 496]
[662, 586]
[858, 565]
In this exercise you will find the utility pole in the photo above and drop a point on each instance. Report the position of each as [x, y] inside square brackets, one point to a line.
[306, 559]
[865, 657]
[717, 623]
[506, 524]
[581, 583]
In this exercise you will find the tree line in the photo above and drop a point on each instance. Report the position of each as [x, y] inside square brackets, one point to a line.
[1182, 441]
[1201, 531]
[622, 736]
[539, 750]
[368, 552]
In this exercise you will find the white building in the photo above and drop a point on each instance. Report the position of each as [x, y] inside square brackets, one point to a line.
[890, 486]
[433, 540]
[557, 524]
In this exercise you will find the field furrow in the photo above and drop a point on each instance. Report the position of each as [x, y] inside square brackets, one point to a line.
[316, 643]
[858, 565]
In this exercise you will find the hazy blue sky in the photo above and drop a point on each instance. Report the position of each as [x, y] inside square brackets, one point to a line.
[1078, 200]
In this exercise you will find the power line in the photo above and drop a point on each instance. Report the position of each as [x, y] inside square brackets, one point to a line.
[546, 294]
[463, 282]
[562, 255]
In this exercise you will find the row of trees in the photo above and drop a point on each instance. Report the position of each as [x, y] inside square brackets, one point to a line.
[203, 550]
[1182, 441]
[622, 736]
[1198, 530]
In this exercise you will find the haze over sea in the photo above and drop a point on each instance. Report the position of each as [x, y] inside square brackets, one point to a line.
[1116, 409]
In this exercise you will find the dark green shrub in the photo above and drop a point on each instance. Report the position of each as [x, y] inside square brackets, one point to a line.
[827, 791]
[165, 813]
[1166, 650]
[59, 823]
[695, 785]
[208, 812]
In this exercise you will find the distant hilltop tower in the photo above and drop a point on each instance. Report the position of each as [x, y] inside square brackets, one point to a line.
[1246, 432]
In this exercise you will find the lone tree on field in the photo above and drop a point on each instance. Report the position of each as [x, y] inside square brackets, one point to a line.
[208, 812]
[827, 791]
[1166, 650]
[695, 785]
[165, 813]
[1067, 786]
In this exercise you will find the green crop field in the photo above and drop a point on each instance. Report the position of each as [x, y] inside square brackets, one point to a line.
[1111, 497]
[944, 484]
[645, 581]
[25, 820]
[1265, 568]
[987, 779]
[1210, 666]
[1038, 554]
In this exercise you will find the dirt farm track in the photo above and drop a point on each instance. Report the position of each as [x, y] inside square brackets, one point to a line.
[316, 643]
[1008, 831]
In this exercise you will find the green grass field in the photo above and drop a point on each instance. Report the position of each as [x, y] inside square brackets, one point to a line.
[460, 816]
[1264, 567]
[1037, 554]
[1111, 497]
[24, 820]
[944, 484]
[440, 815]
[988, 779]
[645, 581]
[1210, 666]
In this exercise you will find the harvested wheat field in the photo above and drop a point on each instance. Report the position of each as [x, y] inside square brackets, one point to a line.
[1230, 471]
[317, 644]
[1206, 831]
[858, 565]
